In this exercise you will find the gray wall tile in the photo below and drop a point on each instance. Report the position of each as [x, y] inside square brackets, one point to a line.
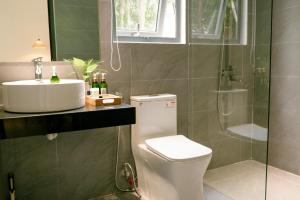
[282, 5]
[156, 62]
[86, 163]
[34, 164]
[286, 59]
[204, 61]
[284, 121]
[286, 26]
[177, 87]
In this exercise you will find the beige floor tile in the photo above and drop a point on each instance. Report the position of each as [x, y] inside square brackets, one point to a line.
[246, 181]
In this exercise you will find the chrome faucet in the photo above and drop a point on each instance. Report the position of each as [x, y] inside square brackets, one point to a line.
[38, 68]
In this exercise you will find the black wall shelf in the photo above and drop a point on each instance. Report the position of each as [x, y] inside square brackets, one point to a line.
[14, 125]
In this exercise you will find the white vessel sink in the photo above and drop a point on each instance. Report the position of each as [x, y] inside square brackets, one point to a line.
[31, 96]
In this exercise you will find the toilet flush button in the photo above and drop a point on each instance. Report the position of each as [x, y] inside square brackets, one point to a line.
[171, 104]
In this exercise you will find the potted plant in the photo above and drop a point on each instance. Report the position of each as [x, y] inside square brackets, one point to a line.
[84, 69]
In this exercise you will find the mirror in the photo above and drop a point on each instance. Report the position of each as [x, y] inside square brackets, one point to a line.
[22, 24]
[74, 29]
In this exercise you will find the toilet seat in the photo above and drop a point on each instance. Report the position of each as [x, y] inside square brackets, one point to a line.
[177, 148]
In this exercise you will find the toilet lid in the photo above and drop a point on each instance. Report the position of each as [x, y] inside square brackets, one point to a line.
[177, 148]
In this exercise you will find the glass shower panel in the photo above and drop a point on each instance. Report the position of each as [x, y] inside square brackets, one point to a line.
[229, 97]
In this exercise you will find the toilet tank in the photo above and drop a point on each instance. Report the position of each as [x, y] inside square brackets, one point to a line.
[156, 116]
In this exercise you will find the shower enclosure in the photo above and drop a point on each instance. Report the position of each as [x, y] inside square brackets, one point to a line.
[229, 63]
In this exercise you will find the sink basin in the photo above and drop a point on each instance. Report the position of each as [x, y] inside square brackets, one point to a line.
[31, 96]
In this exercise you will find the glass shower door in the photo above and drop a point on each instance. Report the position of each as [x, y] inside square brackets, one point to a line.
[229, 93]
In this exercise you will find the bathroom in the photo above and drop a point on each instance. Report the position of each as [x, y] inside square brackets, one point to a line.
[232, 64]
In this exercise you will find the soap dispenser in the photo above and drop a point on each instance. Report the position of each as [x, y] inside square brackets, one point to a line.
[95, 85]
[103, 84]
[54, 77]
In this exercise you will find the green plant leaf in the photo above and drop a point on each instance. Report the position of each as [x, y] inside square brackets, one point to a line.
[89, 62]
[91, 68]
[79, 64]
[86, 78]
[85, 68]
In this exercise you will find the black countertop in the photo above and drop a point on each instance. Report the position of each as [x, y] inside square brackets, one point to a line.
[14, 125]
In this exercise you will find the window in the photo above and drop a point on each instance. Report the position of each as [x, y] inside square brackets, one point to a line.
[150, 20]
[207, 17]
[217, 20]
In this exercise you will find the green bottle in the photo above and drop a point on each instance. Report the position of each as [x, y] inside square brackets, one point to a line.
[54, 77]
[95, 86]
[103, 85]
[95, 83]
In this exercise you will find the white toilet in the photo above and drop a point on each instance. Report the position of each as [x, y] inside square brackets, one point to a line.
[169, 166]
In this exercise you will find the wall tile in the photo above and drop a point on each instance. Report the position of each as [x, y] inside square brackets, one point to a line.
[178, 87]
[259, 151]
[284, 155]
[124, 74]
[260, 116]
[86, 163]
[225, 152]
[284, 93]
[157, 62]
[263, 24]
[204, 61]
[182, 124]
[29, 159]
[203, 94]
[105, 21]
[120, 87]
[204, 126]
[280, 5]
[284, 126]
[286, 26]
[285, 59]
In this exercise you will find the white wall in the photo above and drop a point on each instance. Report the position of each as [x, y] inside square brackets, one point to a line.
[21, 23]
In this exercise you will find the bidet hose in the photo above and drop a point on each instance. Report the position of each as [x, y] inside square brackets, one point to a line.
[135, 189]
[134, 178]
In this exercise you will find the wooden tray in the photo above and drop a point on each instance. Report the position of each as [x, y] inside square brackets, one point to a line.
[103, 100]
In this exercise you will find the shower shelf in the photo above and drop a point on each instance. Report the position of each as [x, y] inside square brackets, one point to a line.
[13, 125]
[231, 91]
[250, 131]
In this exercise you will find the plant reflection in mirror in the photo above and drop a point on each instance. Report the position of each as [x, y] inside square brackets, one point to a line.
[84, 69]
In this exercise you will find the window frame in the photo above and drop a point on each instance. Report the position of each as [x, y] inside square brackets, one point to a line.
[242, 29]
[217, 33]
[150, 37]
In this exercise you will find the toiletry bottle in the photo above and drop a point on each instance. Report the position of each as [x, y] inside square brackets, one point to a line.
[103, 85]
[54, 77]
[11, 186]
[95, 85]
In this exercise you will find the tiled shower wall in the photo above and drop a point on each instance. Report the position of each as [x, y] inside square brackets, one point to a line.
[285, 87]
